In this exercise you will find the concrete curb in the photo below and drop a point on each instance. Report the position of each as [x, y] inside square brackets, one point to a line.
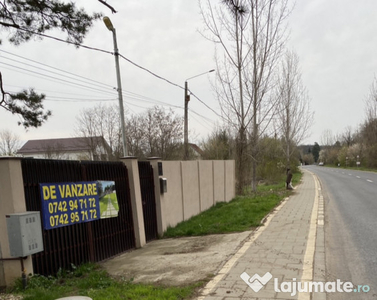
[318, 257]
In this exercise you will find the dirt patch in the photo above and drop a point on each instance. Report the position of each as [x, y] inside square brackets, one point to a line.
[179, 261]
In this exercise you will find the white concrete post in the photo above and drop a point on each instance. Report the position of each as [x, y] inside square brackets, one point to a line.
[12, 200]
[136, 201]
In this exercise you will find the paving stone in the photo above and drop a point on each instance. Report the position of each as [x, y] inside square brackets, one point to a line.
[279, 249]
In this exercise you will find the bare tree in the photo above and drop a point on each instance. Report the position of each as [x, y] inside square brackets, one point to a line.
[348, 137]
[294, 115]
[135, 133]
[163, 133]
[371, 102]
[9, 143]
[327, 138]
[154, 133]
[250, 35]
[100, 121]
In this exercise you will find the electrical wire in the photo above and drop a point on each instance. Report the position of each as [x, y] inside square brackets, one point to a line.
[64, 41]
[51, 78]
[54, 68]
[128, 60]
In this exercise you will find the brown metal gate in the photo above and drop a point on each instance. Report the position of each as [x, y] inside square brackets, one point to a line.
[112, 236]
[82, 242]
[148, 200]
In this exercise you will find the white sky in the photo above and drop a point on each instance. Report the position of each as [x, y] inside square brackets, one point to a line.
[335, 40]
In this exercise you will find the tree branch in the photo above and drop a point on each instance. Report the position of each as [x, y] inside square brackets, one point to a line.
[109, 6]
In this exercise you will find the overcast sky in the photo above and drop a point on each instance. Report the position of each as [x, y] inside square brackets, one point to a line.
[335, 40]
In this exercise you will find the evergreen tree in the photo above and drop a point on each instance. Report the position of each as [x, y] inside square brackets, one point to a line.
[23, 20]
[315, 151]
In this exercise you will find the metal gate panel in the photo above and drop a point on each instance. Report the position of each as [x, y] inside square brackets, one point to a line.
[62, 246]
[112, 236]
[148, 200]
[82, 242]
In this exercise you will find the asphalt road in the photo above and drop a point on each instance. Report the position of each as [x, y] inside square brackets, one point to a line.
[350, 228]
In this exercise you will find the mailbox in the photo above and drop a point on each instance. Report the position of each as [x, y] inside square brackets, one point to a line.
[24, 233]
[163, 185]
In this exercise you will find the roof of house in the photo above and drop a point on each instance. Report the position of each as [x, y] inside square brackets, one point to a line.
[196, 148]
[62, 144]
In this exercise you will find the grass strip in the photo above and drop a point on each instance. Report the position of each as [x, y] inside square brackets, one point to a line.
[240, 214]
[92, 281]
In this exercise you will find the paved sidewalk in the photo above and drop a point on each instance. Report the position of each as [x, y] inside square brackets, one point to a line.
[285, 247]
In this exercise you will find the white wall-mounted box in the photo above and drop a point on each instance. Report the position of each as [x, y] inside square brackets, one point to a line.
[24, 233]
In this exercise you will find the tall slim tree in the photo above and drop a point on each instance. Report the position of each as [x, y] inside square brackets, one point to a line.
[371, 102]
[315, 151]
[327, 138]
[368, 132]
[250, 35]
[294, 115]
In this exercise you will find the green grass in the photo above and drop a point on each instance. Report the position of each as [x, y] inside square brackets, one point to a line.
[114, 201]
[102, 205]
[92, 281]
[240, 214]
[103, 202]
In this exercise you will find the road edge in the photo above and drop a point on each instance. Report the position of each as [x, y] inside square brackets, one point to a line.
[314, 268]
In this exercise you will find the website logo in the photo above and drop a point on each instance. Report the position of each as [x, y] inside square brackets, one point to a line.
[256, 283]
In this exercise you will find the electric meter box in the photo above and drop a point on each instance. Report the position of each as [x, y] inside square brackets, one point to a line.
[24, 233]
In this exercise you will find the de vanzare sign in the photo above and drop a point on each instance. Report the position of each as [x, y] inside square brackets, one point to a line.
[69, 203]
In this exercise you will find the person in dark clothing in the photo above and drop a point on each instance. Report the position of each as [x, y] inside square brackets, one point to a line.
[289, 179]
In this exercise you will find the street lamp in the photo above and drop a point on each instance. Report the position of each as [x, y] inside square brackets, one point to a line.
[187, 99]
[110, 26]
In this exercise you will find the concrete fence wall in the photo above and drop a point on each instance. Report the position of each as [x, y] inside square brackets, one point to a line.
[192, 187]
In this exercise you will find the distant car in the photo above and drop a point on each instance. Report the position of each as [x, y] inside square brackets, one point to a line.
[320, 164]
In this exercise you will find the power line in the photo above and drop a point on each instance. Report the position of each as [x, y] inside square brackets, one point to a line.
[34, 61]
[55, 78]
[150, 72]
[25, 64]
[62, 99]
[50, 91]
[65, 41]
[204, 125]
[128, 60]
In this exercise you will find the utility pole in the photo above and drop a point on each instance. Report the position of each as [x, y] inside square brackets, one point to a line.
[187, 99]
[110, 26]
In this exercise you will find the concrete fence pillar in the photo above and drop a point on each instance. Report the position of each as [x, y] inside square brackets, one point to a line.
[12, 200]
[229, 180]
[136, 201]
